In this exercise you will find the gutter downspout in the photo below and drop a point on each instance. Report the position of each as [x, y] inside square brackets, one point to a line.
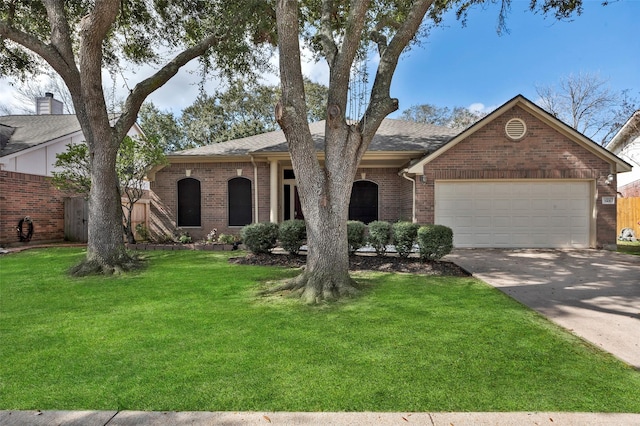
[255, 192]
[413, 196]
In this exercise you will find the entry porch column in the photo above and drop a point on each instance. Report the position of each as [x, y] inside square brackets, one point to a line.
[273, 191]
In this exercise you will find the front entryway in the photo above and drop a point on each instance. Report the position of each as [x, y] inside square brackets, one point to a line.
[292, 208]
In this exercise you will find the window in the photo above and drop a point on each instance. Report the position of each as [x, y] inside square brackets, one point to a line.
[239, 193]
[363, 205]
[188, 202]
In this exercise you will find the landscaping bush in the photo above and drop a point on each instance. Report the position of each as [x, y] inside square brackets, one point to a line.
[292, 234]
[435, 241]
[185, 238]
[227, 239]
[355, 235]
[260, 237]
[142, 232]
[404, 237]
[379, 236]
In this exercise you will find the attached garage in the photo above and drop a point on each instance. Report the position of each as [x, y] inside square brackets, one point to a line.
[520, 178]
[512, 214]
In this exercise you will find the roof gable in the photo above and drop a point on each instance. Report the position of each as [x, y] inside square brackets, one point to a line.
[539, 113]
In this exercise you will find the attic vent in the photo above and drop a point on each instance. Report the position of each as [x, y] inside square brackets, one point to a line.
[515, 129]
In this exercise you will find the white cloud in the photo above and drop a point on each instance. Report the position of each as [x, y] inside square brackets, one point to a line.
[482, 108]
[316, 71]
[7, 96]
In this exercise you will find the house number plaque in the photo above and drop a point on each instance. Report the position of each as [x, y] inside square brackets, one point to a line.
[608, 200]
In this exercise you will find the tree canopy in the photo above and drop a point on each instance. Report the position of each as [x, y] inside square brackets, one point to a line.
[243, 109]
[78, 39]
[456, 118]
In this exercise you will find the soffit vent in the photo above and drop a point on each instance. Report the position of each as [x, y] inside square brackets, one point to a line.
[515, 129]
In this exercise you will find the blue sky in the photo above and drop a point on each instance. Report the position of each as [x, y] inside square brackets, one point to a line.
[474, 66]
[461, 66]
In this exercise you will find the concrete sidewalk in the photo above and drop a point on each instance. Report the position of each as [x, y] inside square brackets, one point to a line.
[595, 294]
[131, 418]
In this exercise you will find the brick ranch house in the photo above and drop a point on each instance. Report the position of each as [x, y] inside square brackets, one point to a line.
[517, 178]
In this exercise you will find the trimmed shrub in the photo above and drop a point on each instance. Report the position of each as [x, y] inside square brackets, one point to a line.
[292, 234]
[379, 236]
[435, 241]
[404, 237]
[355, 235]
[260, 237]
[227, 239]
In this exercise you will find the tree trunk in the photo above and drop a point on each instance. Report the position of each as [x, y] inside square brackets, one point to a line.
[326, 276]
[106, 253]
[324, 189]
[128, 229]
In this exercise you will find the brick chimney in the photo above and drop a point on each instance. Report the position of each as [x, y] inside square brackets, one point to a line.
[48, 106]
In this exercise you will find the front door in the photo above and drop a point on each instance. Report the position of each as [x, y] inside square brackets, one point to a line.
[291, 208]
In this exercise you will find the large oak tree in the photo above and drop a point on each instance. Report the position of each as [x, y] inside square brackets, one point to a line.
[339, 31]
[78, 39]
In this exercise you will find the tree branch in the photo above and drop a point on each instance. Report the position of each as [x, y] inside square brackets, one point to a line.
[341, 69]
[146, 87]
[326, 34]
[48, 53]
[380, 103]
[60, 34]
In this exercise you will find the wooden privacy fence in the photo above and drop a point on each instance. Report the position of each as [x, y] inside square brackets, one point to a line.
[76, 218]
[140, 215]
[629, 214]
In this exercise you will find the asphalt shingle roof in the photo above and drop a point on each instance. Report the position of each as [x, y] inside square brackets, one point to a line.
[26, 131]
[393, 135]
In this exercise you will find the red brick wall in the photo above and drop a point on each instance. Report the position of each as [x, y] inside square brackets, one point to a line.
[394, 194]
[213, 179]
[393, 191]
[30, 195]
[630, 190]
[544, 153]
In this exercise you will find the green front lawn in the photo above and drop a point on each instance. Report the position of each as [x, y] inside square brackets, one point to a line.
[189, 333]
[629, 247]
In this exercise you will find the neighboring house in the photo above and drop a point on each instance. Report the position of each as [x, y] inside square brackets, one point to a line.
[28, 148]
[626, 145]
[30, 143]
[517, 178]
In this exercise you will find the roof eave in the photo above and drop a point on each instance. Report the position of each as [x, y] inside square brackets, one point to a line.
[621, 165]
[630, 129]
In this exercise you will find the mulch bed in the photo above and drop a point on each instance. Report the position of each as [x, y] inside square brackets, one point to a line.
[361, 263]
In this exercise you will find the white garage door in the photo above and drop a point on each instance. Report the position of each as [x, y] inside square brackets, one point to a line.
[515, 214]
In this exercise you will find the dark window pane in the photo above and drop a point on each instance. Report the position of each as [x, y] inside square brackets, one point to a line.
[287, 202]
[288, 174]
[239, 190]
[363, 205]
[188, 202]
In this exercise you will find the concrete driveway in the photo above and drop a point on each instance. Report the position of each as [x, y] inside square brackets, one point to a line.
[593, 293]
